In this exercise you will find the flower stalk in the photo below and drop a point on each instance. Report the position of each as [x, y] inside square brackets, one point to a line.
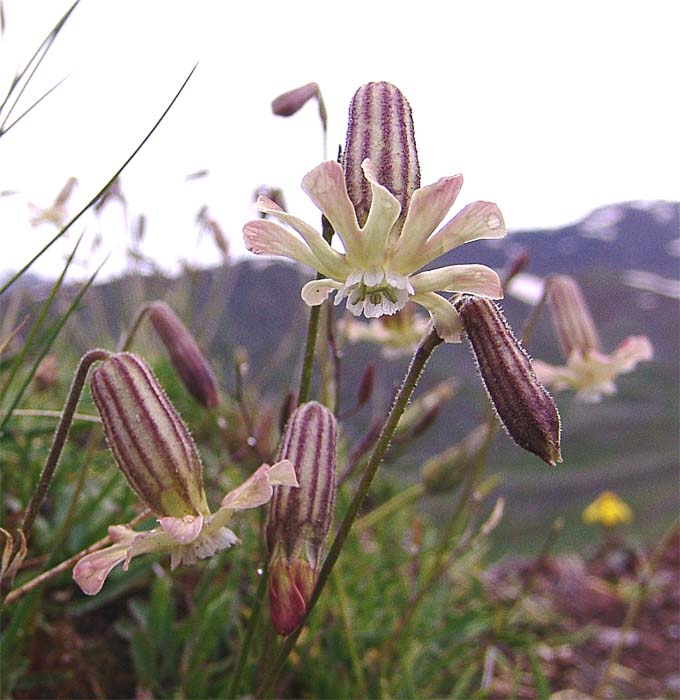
[415, 369]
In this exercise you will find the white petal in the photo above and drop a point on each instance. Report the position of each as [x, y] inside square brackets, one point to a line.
[91, 571]
[444, 316]
[374, 277]
[317, 291]
[264, 237]
[182, 530]
[634, 349]
[470, 279]
[428, 207]
[333, 263]
[382, 215]
[477, 220]
[326, 187]
[258, 488]
[282, 474]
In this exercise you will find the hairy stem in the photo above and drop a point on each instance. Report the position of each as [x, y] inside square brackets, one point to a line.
[40, 493]
[418, 362]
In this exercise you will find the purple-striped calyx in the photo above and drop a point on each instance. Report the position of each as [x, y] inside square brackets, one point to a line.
[153, 448]
[299, 519]
[186, 357]
[524, 406]
[385, 221]
[588, 370]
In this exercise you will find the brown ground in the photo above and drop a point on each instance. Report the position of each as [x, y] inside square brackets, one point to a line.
[590, 598]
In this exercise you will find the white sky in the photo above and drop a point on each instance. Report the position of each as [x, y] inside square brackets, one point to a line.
[549, 109]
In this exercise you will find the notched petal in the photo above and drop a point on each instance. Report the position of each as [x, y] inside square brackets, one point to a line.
[92, 570]
[183, 530]
[317, 291]
[258, 488]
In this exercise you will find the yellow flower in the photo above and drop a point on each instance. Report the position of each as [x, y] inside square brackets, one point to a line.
[608, 510]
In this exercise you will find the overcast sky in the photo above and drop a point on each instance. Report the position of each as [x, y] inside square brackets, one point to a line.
[548, 109]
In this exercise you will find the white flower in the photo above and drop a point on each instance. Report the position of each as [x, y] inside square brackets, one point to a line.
[592, 373]
[188, 538]
[378, 271]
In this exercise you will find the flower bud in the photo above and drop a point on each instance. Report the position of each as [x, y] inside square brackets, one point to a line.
[185, 355]
[287, 104]
[524, 406]
[445, 471]
[574, 326]
[380, 128]
[300, 518]
[149, 440]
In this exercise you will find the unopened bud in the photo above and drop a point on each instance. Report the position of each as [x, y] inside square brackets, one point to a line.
[516, 264]
[445, 471]
[381, 128]
[574, 326]
[149, 440]
[524, 406]
[300, 518]
[185, 355]
[290, 102]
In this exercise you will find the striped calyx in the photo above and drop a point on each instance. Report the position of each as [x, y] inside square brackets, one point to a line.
[300, 518]
[523, 404]
[571, 317]
[381, 128]
[185, 355]
[149, 440]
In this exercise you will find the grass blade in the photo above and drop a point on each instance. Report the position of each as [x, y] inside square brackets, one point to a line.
[21, 355]
[35, 62]
[50, 340]
[127, 161]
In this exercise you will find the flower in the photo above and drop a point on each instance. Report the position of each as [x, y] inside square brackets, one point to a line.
[609, 510]
[588, 370]
[153, 448]
[386, 224]
[190, 539]
[376, 276]
[299, 520]
[186, 357]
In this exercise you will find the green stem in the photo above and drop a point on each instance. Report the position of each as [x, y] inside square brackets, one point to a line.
[343, 607]
[126, 340]
[418, 362]
[312, 331]
[40, 493]
[248, 638]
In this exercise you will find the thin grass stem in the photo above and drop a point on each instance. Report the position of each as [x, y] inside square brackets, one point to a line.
[127, 161]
